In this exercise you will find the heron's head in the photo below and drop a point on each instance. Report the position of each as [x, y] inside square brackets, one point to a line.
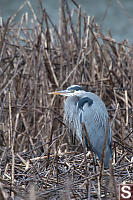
[74, 90]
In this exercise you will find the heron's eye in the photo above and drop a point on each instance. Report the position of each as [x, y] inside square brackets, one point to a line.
[73, 91]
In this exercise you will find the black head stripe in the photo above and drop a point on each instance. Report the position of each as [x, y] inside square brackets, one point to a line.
[75, 87]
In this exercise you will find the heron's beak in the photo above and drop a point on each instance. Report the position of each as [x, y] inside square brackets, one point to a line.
[63, 92]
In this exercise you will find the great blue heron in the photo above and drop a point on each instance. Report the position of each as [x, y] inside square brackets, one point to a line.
[86, 107]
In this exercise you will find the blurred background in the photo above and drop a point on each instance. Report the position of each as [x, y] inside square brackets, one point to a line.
[114, 15]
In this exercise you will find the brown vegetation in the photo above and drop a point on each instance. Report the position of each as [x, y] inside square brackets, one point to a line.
[37, 157]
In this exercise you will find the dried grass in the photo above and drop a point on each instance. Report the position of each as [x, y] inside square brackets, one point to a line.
[37, 156]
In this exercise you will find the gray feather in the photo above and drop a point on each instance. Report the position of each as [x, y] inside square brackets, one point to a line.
[95, 119]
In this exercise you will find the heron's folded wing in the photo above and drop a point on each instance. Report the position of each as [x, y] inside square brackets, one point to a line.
[95, 119]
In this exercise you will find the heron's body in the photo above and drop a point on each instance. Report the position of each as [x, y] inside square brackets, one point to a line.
[95, 119]
[86, 107]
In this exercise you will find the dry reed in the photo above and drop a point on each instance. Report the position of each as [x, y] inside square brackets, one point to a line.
[38, 158]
